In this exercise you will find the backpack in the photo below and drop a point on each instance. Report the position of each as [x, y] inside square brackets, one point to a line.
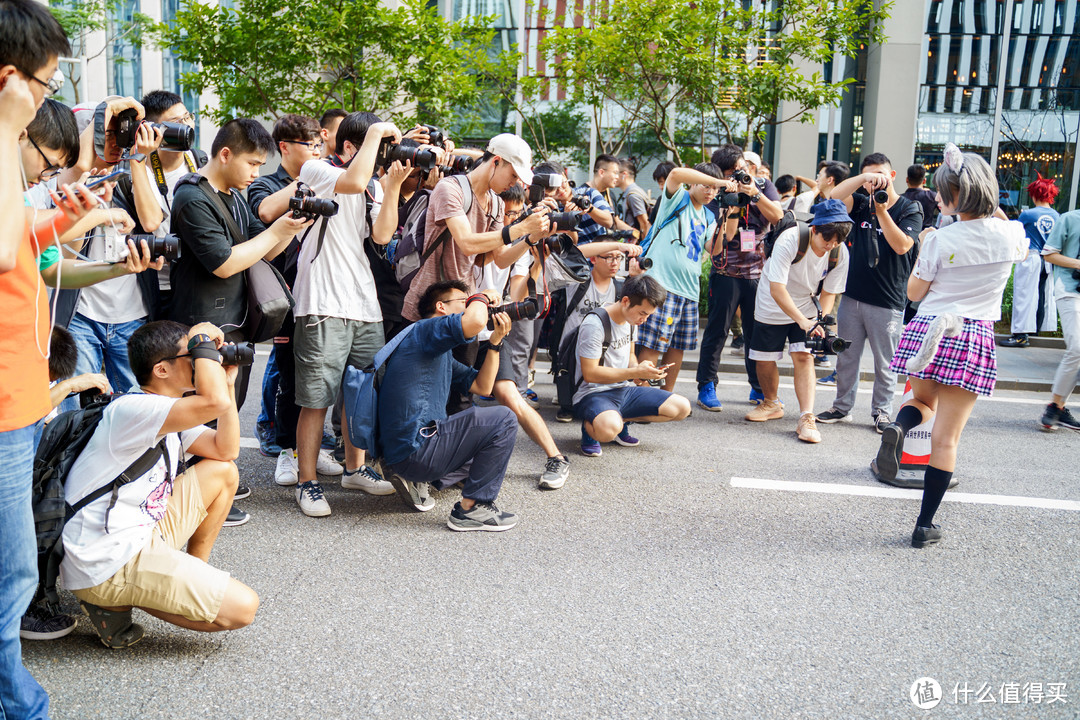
[566, 304]
[790, 220]
[406, 250]
[624, 206]
[62, 441]
[362, 397]
[566, 380]
[655, 229]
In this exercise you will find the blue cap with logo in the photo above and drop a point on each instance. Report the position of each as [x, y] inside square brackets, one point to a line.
[830, 211]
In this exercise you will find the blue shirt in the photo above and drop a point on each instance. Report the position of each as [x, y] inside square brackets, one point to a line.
[1038, 222]
[589, 229]
[676, 250]
[1064, 239]
[417, 383]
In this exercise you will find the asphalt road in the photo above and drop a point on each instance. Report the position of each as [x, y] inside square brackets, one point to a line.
[648, 587]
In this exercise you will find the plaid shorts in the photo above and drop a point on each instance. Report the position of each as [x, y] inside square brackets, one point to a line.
[674, 326]
[967, 361]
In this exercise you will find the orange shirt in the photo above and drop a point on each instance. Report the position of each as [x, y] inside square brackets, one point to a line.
[24, 371]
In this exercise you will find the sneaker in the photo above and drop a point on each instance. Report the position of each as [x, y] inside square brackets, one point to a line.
[924, 536]
[822, 361]
[829, 379]
[235, 517]
[890, 452]
[556, 470]
[531, 398]
[807, 430]
[707, 399]
[564, 416]
[309, 496]
[286, 472]
[368, 480]
[532, 377]
[624, 437]
[38, 623]
[738, 343]
[328, 441]
[881, 421]
[756, 396]
[832, 415]
[589, 447]
[242, 491]
[1054, 417]
[766, 410]
[1018, 340]
[325, 464]
[482, 516]
[415, 495]
[265, 434]
[339, 450]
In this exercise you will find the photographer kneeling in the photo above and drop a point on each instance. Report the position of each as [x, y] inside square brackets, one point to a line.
[784, 309]
[125, 551]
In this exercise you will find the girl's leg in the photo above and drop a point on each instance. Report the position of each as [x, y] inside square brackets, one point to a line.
[954, 409]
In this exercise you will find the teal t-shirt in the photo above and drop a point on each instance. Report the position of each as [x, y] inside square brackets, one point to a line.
[1064, 239]
[48, 257]
[676, 250]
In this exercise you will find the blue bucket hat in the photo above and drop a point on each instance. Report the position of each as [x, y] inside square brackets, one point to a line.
[830, 211]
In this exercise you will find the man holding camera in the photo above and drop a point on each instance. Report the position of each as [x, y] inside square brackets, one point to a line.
[421, 445]
[124, 550]
[599, 216]
[883, 245]
[745, 215]
[784, 310]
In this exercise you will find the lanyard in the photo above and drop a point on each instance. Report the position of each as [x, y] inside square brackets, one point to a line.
[159, 174]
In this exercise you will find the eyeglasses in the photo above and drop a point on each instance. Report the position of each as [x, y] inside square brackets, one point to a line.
[513, 213]
[52, 86]
[457, 299]
[175, 357]
[311, 145]
[616, 257]
[186, 118]
[51, 169]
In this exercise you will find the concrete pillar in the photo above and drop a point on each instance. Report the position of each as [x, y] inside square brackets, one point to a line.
[795, 149]
[892, 86]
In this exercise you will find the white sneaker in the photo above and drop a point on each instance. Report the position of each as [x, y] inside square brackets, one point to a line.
[309, 496]
[286, 472]
[367, 480]
[326, 465]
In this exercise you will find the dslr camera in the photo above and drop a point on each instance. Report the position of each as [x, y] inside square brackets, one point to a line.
[124, 129]
[116, 250]
[742, 177]
[242, 355]
[458, 165]
[527, 309]
[435, 136]
[304, 204]
[831, 344]
[408, 150]
[537, 191]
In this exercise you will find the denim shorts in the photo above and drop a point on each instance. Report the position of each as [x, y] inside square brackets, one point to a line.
[630, 402]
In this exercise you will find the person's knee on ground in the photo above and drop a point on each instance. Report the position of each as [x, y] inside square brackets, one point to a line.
[675, 408]
[606, 426]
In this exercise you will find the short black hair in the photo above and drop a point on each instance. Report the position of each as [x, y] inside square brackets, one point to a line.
[54, 127]
[629, 166]
[640, 288]
[295, 127]
[63, 354]
[437, 292]
[784, 183]
[710, 169]
[157, 102]
[354, 128]
[602, 160]
[549, 167]
[242, 135]
[916, 174]
[726, 156]
[513, 194]
[329, 115]
[837, 170]
[150, 343]
[29, 35]
[838, 230]
[662, 170]
[875, 159]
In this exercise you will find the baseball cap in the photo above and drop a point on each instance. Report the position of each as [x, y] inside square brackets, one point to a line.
[829, 211]
[515, 151]
[752, 157]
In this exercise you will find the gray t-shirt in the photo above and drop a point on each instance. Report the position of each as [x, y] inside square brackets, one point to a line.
[633, 204]
[590, 345]
[593, 299]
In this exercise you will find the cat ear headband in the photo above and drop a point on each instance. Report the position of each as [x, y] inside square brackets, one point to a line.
[954, 159]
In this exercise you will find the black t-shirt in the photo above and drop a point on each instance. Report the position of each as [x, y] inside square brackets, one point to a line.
[205, 244]
[928, 201]
[885, 284]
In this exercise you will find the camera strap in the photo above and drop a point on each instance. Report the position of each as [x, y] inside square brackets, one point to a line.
[319, 240]
[159, 175]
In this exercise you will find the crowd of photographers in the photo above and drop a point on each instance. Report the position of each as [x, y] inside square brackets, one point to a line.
[439, 269]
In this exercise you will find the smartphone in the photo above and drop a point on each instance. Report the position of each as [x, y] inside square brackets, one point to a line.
[99, 179]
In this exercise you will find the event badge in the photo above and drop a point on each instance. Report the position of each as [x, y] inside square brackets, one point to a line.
[747, 240]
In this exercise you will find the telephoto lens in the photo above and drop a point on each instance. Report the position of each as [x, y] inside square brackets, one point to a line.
[881, 197]
[167, 247]
[565, 221]
[176, 136]
[527, 309]
[242, 355]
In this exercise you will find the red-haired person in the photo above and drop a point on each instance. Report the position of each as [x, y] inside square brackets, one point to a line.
[1033, 307]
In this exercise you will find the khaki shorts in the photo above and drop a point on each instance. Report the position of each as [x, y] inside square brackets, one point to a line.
[323, 347]
[161, 576]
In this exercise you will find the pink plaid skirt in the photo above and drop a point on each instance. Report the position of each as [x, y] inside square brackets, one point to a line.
[967, 360]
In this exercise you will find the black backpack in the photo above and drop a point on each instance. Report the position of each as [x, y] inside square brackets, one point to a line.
[62, 442]
[790, 220]
[566, 381]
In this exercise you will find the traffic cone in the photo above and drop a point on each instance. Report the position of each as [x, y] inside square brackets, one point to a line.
[916, 454]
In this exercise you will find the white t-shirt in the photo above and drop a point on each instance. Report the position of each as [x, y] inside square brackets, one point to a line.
[801, 279]
[129, 427]
[591, 345]
[967, 265]
[805, 200]
[339, 282]
[171, 178]
[593, 299]
[493, 277]
[114, 301]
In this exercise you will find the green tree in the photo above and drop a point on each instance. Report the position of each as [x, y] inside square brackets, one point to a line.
[723, 63]
[271, 57]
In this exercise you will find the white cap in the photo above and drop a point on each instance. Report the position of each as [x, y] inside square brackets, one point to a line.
[752, 157]
[515, 151]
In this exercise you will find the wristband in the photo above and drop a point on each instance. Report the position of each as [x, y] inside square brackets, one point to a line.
[478, 297]
[531, 243]
[205, 351]
[198, 340]
[506, 235]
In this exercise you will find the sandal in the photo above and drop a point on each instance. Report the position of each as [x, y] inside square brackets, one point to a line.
[114, 628]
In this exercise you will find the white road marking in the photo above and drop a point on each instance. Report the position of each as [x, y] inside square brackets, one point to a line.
[249, 442]
[900, 493]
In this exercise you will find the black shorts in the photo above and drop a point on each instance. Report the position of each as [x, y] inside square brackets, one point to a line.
[767, 342]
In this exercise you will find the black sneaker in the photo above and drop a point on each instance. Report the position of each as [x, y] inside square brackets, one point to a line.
[242, 491]
[40, 624]
[924, 536]
[1054, 417]
[1018, 340]
[482, 516]
[832, 415]
[564, 416]
[235, 517]
[738, 343]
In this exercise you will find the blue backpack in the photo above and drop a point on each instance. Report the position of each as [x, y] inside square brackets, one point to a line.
[656, 228]
[362, 398]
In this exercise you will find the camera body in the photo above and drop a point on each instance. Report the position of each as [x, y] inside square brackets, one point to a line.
[742, 177]
[304, 204]
[831, 344]
[527, 309]
[734, 199]
[435, 136]
[177, 137]
[407, 151]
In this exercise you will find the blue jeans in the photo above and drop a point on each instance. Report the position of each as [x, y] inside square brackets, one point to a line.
[269, 390]
[20, 695]
[106, 343]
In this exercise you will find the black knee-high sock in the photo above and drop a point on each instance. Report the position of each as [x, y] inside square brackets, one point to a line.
[909, 417]
[934, 486]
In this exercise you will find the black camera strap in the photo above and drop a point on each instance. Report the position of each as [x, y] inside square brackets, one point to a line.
[319, 240]
[159, 175]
